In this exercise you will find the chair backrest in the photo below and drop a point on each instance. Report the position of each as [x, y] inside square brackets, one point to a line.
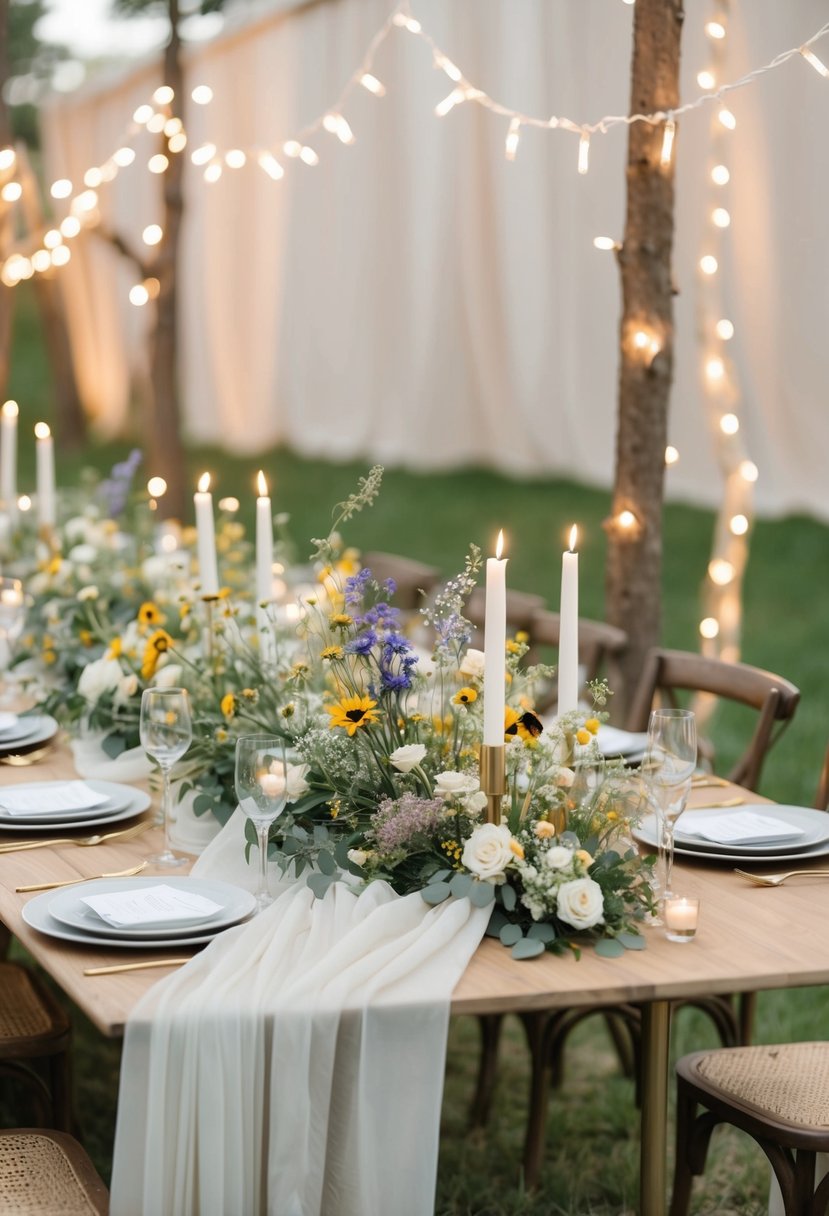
[521, 608]
[414, 580]
[775, 699]
[822, 799]
[597, 640]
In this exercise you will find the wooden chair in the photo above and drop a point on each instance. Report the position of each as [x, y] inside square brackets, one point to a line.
[44, 1172]
[822, 799]
[779, 1095]
[598, 643]
[414, 580]
[34, 1027]
[668, 671]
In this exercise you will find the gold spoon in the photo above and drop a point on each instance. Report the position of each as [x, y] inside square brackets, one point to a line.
[70, 882]
[22, 759]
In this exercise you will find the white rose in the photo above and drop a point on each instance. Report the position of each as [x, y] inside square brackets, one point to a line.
[168, 676]
[454, 785]
[558, 857]
[473, 664]
[580, 903]
[292, 778]
[358, 857]
[487, 852]
[98, 677]
[127, 687]
[408, 757]
[475, 802]
[88, 593]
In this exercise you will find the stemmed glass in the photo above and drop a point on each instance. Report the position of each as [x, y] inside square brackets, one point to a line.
[12, 616]
[166, 730]
[260, 788]
[669, 764]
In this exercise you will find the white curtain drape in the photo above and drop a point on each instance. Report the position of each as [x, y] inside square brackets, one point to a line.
[420, 300]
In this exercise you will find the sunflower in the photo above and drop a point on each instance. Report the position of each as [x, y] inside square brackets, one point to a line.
[465, 696]
[157, 644]
[352, 712]
[148, 614]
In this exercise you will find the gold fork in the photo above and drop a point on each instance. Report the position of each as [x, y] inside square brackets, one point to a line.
[84, 841]
[70, 882]
[21, 759]
[774, 880]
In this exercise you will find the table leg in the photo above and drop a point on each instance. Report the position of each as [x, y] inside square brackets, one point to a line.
[656, 1023]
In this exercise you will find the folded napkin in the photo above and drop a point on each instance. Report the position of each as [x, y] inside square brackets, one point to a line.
[49, 798]
[92, 762]
[159, 905]
[615, 742]
[742, 827]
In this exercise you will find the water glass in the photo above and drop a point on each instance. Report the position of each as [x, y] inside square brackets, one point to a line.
[166, 730]
[262, 794]
[669, 764]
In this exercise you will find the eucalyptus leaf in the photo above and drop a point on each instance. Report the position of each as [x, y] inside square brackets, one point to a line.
[436, 893]
[508, 897]
[202, 803]
[632, 941]
[528, 947]
[460, 884]
[319, 883]
[326, 862]
[608, 947]
[497, 920]
[113, 745]
[510, 934]
[441, 875]
[481, 893]
[541, 931]
[290, 845]
[320, 833]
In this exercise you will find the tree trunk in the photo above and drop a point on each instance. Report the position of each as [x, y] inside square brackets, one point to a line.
[634, 559]
[165, 449]
[5, 209]
[70, 421]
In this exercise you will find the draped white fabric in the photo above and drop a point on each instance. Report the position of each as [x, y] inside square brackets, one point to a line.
[295, 1067]
[418, 299]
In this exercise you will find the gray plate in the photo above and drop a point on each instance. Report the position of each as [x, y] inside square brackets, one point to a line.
[645, 833]
[43, 728]
[68, 908]
[132, 802]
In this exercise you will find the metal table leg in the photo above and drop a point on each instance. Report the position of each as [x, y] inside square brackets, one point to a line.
[656, 1024]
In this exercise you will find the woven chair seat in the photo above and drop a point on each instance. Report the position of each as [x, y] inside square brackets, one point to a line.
[789, 1081]
[31, 1021]
[48, 1174]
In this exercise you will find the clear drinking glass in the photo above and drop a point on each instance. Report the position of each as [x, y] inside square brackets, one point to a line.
[12, 617]
[166, 730]
[260, 788]
[668, 766]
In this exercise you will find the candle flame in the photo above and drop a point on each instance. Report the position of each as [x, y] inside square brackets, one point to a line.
[42, 430]
[499, 544]
[204, 483]
[574, 536]
[262, 484]
[10, 409]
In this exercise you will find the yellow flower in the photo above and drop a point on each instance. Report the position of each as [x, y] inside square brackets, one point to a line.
[49, 656]
[544, 829]
[465, 696]
[221, 735]
[584, 857]
[86, 637]
[522, 636]
[228, 705]
[516, 848]
[288, 710]
[340, 620]
[184, 609]
[352, 712]
[225, 593]
[157, 644]
[593, 724]
[332, 652]
[115, 648]
[148, 614]
[415, 717]
[514, 647]
[250, 694]
[583, 736]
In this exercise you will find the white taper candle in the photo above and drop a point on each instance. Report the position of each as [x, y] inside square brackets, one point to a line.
[495, 643]
[568, 639]
[206, 537]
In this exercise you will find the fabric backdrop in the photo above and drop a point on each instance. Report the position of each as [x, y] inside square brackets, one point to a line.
[419, 300]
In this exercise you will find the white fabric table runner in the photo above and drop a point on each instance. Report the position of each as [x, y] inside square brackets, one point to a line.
[294, 1067]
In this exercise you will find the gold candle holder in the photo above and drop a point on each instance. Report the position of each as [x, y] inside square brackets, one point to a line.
[493, 779]
[210, 602]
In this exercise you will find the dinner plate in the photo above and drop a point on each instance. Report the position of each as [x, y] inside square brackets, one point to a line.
[67, 907]
[133, 803]
[36, 914]
[626, 743]
[117, 798]
[813, 824]
[645, 832]
[20, 733]
[43, 727]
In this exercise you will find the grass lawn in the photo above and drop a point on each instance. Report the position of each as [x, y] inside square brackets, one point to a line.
[591, 1166]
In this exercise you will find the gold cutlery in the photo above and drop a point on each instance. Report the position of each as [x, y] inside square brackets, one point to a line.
[701, 780]
[21, 759]
[119, 967]
[70, 882]
[711, 806]
[84, 841]
[774, 880]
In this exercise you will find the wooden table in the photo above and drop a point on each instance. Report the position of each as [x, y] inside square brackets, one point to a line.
[750, 939]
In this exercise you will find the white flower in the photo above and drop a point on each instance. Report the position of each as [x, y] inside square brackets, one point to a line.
[168, 676]
[473, 664]
[408, 757]
[127, 687]
[293, 778]
[558, 857]
[565, 777]
[580, 903]
[454, 785]
[487, 852]
[474, 802]
[88, 593]
[358, 857]
[98, 677]
[83, 554]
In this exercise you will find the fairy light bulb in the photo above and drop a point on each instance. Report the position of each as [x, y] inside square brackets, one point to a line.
[230, 504]
[7, 158]
[671, 454]
[748, 471]
[203, 154]
[626, 519]
[163, 95]
[93, 178]
[584, 153]
[715, 30]
[720, 571]
[235, 158]
[41, 260]
[60, 256]
[156, 124]
[271, 165]
[143, 114]
[156, 487]
[202, 94]
[738, 525]
[605, 243]
[62, 188]
[292, 147]
[52, 238]
[123, 156]
[729, 424]
[667, 143]
[513, 139]
[706, 80]
[725, 329]
[454, 99]
[139, 295]
[727, 119]
[720, 217]
[152, 234]
[157, 163]
[24, 503]
[372, 84]
[177, 142]
[720, 175]
[308, 156]
[816, 63]
[213, 172]
[11, 192]
[172, 127]
[70, 226]
[709, 628]
[708, 264]
[152, 287]
[715, 368]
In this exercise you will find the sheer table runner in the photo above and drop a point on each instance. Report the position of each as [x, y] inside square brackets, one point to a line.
[294, 1067]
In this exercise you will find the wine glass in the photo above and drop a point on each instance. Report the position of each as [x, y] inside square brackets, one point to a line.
[260, 788]
[12, 617]
[166, 731]
[669, 764]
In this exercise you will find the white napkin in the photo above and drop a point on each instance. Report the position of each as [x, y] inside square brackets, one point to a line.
[159, 905]
[8, 722]
[47, 798]
[615, 742]
[742, 827]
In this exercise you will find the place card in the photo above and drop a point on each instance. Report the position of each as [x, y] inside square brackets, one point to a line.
[50, 798]
[615, 742]
[741, 827]
[159, 905]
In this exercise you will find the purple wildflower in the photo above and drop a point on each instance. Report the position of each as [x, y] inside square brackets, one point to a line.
[397, 824]
[115, 489]
[363, 643]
